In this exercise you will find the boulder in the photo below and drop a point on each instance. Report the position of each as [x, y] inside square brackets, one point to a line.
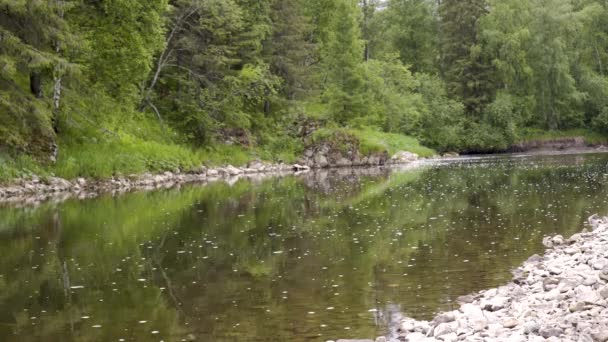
[404, 157]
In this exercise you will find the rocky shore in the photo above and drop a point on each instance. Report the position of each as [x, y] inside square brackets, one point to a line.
[561, 296]
[36, 189]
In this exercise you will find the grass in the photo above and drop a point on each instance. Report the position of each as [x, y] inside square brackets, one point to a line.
[590, 137]
[391, 142]
[372, 141]
[133, 156]
[129, 155]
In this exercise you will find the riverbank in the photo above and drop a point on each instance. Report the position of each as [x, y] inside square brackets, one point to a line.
[37, 189]
[561, 296]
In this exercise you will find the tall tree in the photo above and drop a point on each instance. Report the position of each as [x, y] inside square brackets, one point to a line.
[289, 49]
[30, 34]
[342, 58]
[409, 28]
[466, 70]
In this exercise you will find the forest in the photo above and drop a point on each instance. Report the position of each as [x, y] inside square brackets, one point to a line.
[95, 87]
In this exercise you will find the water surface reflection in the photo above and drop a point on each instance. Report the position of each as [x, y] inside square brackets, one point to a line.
[308, 258]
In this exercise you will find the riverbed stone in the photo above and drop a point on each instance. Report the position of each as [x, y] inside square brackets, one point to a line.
[600, 335]
[445, 328]
[510, 323]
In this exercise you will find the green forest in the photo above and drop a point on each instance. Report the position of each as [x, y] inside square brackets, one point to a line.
[98, 87]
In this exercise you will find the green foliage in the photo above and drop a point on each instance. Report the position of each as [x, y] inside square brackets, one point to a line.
[342, 56]
[468, 73]
[172, 81]
[410, 29]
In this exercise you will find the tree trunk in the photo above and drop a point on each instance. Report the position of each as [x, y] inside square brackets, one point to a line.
[36, 84]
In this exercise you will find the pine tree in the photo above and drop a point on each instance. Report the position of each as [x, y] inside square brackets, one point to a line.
[342, 57]
[289, 50]
[465, 68]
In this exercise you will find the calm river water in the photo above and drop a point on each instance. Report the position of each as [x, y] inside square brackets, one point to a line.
[304, 258]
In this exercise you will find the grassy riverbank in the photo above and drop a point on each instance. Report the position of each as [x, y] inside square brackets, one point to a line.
[589, 137]
[127, 155]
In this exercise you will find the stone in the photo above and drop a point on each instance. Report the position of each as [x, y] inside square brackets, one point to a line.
[603, 275]
[472, 311]
[450, 155]
[321, 161]
[586, 295]
[510, 323]
[600, 336]
[577, 307]
[604, 292]
[451, 337]
[381, 339]
[531, 327]
[466, 299]
[548, 242]
[570, 251]
[550, 332]
[233, 171]
[495, 304]
[298, 167]
[445, 318]
[558, 240]
[407, 325]
[404, 157]
[554, 270]
[445, 328]
[479, 324]
[415, 337]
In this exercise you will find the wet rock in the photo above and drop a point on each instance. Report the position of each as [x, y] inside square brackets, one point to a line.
[466, 299]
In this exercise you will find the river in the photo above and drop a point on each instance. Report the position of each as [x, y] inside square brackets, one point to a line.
[315, 257]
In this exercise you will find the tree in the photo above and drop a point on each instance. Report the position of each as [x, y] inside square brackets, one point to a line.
[342, 58]
[409, 28]
[466, 70]
[289, 50]
[31, 51]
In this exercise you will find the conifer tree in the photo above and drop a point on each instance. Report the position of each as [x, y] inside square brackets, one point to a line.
[465, 68]
[343, 55]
